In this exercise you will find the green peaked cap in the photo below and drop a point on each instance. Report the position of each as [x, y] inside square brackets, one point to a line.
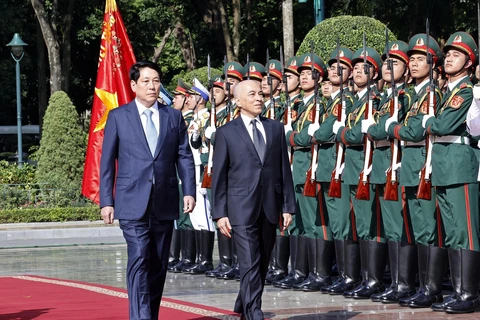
[257, 71]
[397, 49]
[318, 64]
[464, 42]
[182, 88]
[233, 69]
[418, 43]
[372, 56]
[275, 68]
[292, 65]
[217, 81]
[345, 55]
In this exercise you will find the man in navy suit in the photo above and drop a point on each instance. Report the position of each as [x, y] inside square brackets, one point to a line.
[252, 191]
[145, 145]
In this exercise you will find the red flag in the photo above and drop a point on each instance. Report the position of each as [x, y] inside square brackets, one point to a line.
[112, 89]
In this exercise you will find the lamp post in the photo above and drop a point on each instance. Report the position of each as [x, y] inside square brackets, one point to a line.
[319, 10]
[16, 46]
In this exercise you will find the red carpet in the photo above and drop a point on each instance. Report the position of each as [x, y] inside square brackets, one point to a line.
[39, 298]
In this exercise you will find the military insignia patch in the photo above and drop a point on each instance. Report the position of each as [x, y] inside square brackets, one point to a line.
[335, 109]
[311, 115]
[294, 115]
[420, 42]
[424, 107]
[456, 102]
[463, 85]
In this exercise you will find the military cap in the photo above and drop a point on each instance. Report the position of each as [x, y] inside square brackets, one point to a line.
[292, 65]
[182, 88]
[233, 69]
[165, 95]
[200, 89]
[372, 56]
[345, 55]
[464, 42]
[318, 64]
[217, 81]
[255, 70]
[397, 49]
[418, 43]
[275, 68]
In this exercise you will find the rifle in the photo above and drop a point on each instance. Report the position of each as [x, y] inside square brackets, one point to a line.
[272, 99]
[207, 172]
[391, 186]
[310, 188]
[248, 66]
[287, 117]
[424, 190]
[227, 88]
[363, 187]
[335, 189]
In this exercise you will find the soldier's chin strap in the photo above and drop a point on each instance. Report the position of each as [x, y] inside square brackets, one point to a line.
[462, 68]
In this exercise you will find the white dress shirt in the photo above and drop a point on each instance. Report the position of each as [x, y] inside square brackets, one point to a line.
[143, 117]
[248, 124]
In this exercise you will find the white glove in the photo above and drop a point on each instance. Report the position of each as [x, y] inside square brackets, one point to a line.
[312, 128]
[369, 169]
[209, 132]
[366, 123]
[288, 128]
[194, 130]
[425, 118]
[397, 166]
[390, 121]
[476, 92]
[202, 191]
[340, 170]
[337, 125]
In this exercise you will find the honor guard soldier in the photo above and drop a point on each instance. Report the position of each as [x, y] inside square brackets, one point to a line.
[425, 218]
[316, 235]
[339, 213]
[271, 92]
[386, 158]
[183, 238]
[373, 249]
[201, 217]
[454, 174]
[165, 96]
[286, 244]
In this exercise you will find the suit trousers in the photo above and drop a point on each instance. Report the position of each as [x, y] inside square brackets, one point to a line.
[254, 246]
[148, 243]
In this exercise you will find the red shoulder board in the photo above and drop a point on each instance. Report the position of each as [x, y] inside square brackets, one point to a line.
[401, 92]
[463, 85]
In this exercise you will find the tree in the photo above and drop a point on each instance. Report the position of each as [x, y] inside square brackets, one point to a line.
[349, 30]
[62, 147]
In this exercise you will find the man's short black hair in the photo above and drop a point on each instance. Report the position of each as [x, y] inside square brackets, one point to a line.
[135, 69]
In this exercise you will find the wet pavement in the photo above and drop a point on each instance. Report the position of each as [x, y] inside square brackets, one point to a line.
[105, 264]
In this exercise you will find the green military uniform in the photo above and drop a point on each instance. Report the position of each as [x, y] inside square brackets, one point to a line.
[340, 215]
[454, 174]
[395, 215]
[368, 221]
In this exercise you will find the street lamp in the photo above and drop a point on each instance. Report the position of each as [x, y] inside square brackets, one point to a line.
[16, 46]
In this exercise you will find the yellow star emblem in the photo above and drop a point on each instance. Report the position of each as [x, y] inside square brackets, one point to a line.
[110, 102]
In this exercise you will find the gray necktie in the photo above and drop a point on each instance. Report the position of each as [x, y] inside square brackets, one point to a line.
[152, 136]
[258, 140]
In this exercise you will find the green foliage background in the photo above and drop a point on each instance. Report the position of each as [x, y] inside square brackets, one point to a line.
[349, 30]
[62, 148]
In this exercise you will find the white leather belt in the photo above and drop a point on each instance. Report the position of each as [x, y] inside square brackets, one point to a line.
[452, 139]
[412, 144]
[382, 143]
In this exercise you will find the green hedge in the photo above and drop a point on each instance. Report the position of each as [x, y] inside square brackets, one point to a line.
[50, 215]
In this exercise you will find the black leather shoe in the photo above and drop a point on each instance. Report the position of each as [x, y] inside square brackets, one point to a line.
[395, 296]
[307, 281]
[425, 301]
[462, 306]
[326, 289]
[377, 297]
[349, 293]
[342, 287]
[288, 282]
[440, 306]
[221, 268]
[272, 277]
[229, 274]
[199, 268]
[367, 292]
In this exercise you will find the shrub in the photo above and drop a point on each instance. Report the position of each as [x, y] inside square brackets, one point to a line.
[62, 148]
[50, 215]
[349, 30]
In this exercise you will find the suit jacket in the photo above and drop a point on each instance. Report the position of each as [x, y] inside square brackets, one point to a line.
[132, 177]
[243, 186]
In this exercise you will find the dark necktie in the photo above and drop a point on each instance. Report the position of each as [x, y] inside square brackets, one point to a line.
[258, 140]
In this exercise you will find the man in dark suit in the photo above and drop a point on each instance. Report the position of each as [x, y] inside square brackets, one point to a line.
[144, 146]
[252, 191]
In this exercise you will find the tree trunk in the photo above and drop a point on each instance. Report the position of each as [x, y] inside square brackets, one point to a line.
[159, 49]
[184, 42]
[226, 34]
[42, 76]
[53, 47]
[236, 27]
[249, 26]
[67, 47]
[288, 42]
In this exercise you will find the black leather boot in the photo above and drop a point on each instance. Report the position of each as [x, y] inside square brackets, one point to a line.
[422, 258]
[363, 269]
[174, 255]
[437, 265]
[282, 253]
[393, 257]
[188, 251]
[198, 250]
[454, 261]
[225, 255]
[205, 262]
[299, 266]
[466, 300]
[351, 277]
[377, 260]
[322, 268]
[233, 272]
[340, 263]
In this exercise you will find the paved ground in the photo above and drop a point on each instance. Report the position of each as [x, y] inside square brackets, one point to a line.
[94, 253]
